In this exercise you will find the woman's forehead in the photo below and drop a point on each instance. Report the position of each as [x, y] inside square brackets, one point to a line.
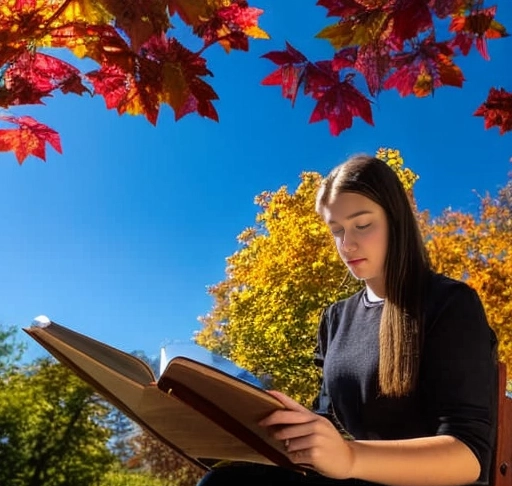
[348, 205]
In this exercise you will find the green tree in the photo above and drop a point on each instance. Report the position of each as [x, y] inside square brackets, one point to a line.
[121, 477]
[10, 349]
[54, 428]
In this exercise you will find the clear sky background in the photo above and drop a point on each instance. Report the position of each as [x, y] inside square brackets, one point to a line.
[120, 236]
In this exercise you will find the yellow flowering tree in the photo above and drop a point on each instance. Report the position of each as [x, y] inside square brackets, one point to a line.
[265, 313]
[266, 310]
[407, 177]
[477, 248]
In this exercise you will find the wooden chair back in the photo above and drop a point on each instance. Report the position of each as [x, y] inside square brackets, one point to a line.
[502, 469]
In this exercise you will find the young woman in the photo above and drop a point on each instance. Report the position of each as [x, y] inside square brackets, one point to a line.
[409, 362]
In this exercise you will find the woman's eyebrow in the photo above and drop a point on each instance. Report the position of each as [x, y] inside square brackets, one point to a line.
[353, 215]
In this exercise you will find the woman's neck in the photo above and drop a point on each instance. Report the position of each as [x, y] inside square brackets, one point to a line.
[372, 295]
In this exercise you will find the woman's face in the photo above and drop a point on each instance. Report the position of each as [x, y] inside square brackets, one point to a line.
[360, 231]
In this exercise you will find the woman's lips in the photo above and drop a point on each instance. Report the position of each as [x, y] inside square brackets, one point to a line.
[355, 261]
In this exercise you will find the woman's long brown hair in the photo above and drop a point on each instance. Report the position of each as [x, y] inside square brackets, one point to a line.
[406, 268]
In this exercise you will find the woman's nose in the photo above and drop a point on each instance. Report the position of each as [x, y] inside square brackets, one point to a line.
[348, 244]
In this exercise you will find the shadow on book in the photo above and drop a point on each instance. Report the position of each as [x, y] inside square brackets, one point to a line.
[201, 412]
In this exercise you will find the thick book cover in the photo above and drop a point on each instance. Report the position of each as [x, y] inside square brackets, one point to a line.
[201, 412]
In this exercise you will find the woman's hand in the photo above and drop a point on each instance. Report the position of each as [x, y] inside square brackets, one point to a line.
[310, 439]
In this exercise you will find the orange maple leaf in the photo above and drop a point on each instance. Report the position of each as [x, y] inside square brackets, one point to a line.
[476, 27]
[29, 138]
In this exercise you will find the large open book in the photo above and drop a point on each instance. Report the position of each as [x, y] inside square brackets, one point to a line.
[202, 413]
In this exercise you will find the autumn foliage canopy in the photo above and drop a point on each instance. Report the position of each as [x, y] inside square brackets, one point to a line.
[142, 65]
[391, 44]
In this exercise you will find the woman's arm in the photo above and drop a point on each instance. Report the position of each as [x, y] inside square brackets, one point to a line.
[311, 439]
[428, 461]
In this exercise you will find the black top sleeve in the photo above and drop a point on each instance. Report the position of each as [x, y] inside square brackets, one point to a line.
[322, 402]
[459, 373]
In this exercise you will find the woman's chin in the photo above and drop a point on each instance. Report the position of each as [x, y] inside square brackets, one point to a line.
[358, 275]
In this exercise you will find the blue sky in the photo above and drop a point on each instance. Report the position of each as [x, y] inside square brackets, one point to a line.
[119, 237]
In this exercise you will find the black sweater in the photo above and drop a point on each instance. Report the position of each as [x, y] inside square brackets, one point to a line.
[456, 392]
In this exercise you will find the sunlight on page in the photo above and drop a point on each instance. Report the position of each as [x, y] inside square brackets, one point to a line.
[205, 356]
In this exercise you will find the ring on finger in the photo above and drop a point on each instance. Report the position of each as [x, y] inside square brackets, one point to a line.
[287, 443]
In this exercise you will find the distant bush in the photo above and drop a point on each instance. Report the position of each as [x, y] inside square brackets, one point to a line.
[119, 477]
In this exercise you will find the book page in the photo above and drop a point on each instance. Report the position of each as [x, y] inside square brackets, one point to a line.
[112, 358]
[121, 391]
[191, 432]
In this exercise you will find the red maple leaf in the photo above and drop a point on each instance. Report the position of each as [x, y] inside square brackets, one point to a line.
[373, 62]
[102, 43]
[191, 12]
[229, 26]
[29, 138]
[342, 8]
[25, 5]
[140, 19]
[20, 23]
[475, 28]
[339, 104]
[166, 72]
[408, 18]
[290, 74]
[497, 110]
[345, 58]
[444, 8]
[289, 56]
[180, 73]
[421, 71]
[125, 92]
[34, 75]
[337, 101]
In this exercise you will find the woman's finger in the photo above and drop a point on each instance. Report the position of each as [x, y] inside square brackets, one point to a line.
[287, 417]
[294, 431]
[288, 402]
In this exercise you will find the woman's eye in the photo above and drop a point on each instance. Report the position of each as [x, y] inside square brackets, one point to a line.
[363, 226]
[338, 231]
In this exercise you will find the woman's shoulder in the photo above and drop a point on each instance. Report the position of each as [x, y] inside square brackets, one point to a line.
[444, 288]
[449, 299]
[336, 310]
[347, 302]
